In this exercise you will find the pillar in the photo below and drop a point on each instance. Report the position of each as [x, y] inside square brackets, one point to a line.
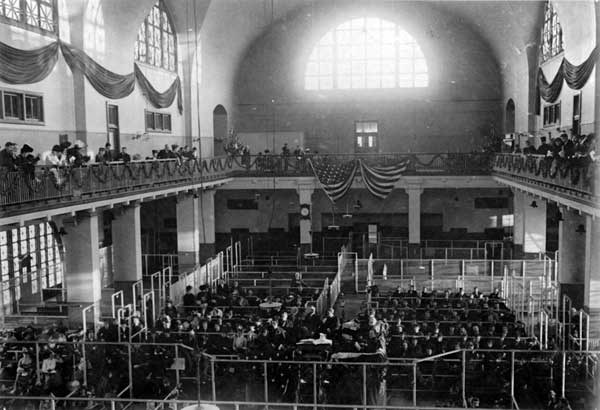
[534, 225]
[592, 274]
[571, 248]
[188, 230]
[414, 220]
[127, 247]
[206, 230]
[518, 212]
[305, 192]
[82, 267]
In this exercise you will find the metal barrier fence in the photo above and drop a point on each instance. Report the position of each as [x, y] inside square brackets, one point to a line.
[498, 378]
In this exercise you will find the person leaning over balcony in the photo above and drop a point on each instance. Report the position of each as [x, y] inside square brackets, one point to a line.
[123, 155]
[544, 147]
[8, 156]
[529, 148]
[100, 156]
[26, 161]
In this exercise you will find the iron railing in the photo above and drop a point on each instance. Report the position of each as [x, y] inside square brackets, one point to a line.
[577, 177]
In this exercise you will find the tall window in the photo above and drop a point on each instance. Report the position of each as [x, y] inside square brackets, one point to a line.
[156, 43]
[366, 135]
[38, 14]
[29, 263]
[366, 53]
[552, 36]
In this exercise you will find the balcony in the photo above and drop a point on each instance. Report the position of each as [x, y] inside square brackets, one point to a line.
[418, 163]
[576, 179]
[60, 187]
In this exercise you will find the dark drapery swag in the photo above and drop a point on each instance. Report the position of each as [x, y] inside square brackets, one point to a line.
[109, 84]
[31, 66]
[26, 66]
[157, 99]
[576, 76]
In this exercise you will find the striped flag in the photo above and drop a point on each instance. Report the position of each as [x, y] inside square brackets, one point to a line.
[380, 180]
[335, 177]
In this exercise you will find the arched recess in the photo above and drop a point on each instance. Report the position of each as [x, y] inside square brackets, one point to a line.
[509, 117]
[219, 128]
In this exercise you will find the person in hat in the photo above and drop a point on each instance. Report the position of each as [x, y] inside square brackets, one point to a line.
[123, 155]
[26, 161]
[544, 147]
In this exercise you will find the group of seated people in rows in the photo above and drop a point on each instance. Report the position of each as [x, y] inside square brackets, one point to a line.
[404, 324]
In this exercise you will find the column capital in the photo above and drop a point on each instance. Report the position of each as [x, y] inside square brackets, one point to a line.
[305, 191]
[414, 189]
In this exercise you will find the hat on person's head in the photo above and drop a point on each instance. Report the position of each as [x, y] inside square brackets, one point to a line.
[26, 149]
[64, 145]
[9, 144]
[543, 139]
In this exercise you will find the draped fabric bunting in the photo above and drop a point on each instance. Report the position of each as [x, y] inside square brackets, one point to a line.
[26, 66]
[575, 76]
[380, 180]
[109, 84]
[157, 99]
[31, 66]
[336, 178]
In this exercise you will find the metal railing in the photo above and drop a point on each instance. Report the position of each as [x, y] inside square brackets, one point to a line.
[578, 177]
[74, 184]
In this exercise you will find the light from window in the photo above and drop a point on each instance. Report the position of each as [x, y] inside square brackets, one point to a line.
[366, 53]
[366, 133]
[552, 35]
[159, 122]
[508, 220]
[30, 13]
[156, 43]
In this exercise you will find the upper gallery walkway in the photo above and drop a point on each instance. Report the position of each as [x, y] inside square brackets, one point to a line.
[574, 182]
[73, 189]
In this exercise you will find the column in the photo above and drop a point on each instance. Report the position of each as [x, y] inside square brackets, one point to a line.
[82, 267]
[592, 274]
[414, 220]
[518, 210]
[206, 230]
[571, 248]
[305, 192]
[188, 228]
[534, 225]
[127, 248]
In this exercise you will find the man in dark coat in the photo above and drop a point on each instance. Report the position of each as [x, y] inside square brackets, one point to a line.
[8, 156]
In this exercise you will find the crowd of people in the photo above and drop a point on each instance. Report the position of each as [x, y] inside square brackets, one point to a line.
[564, 147]
[237, 323]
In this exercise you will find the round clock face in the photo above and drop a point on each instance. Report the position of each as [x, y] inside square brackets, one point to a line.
[304, 211]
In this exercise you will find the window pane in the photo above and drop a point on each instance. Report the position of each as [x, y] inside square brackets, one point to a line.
[156, 44]
[366, 53]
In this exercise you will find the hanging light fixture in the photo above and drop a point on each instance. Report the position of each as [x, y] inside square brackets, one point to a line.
[534, 204]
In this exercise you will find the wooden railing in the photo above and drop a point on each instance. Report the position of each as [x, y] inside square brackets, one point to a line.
[575, 177]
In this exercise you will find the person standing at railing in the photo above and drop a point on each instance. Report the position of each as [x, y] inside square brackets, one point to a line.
[8, 157]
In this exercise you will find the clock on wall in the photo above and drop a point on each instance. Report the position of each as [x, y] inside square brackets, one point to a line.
[305, 211]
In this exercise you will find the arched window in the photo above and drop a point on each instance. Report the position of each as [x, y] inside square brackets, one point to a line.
[156, 43]
[366, 53]
[552, 36]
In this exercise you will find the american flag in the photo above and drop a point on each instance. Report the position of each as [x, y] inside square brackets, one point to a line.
[380, 180]
[335, 177]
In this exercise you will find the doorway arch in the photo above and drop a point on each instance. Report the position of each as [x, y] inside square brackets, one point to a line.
[220, 127]
[509, 119]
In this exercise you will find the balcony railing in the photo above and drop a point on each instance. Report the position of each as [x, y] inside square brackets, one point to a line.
[51, 186]
[575, 177]
[418, 163]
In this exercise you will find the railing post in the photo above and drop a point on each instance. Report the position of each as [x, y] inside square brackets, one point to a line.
[213, 379]
[130, 370]
[315, 391]
[464, 376]
[266, 379]
[512, 374]
[177, 367]
[364, 377]
[564, 373]
[492, 268]
[414, 383]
